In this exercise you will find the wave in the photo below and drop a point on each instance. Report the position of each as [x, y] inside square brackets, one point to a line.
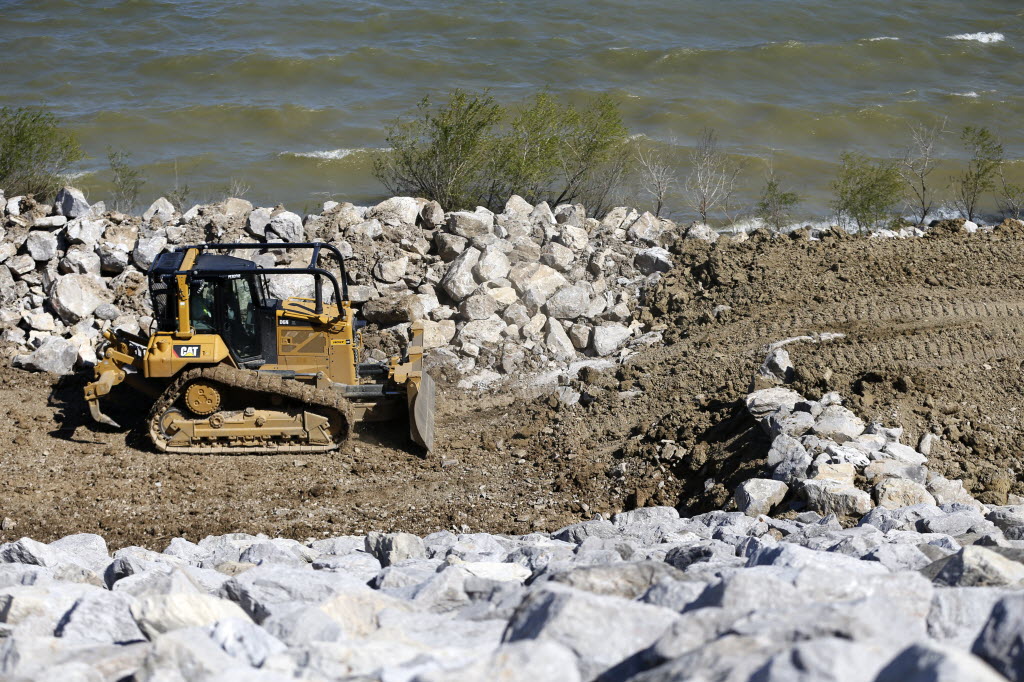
[875, 40]
[972, 94]
[979, 37]
[332, 154]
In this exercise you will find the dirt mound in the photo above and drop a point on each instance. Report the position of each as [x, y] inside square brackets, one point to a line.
[932, 341]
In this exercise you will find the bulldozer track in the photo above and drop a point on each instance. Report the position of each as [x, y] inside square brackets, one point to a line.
[324, 401]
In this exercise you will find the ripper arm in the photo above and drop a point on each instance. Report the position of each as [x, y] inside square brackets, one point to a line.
[109, 371]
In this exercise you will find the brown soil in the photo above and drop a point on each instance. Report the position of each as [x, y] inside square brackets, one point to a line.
[933, 342]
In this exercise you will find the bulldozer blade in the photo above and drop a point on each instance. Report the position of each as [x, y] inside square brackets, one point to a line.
[421, 413]
[97, 415]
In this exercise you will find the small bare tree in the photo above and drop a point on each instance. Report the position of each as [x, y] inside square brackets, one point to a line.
[657, 177]
[980, 175]
[712, 179]
[1010, 197]
[918, 161]
[775, 205]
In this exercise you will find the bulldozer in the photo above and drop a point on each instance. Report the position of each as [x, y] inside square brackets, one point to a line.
[233, 370]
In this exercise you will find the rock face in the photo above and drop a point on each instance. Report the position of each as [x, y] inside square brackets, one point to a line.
[648, 595]
[502, 280]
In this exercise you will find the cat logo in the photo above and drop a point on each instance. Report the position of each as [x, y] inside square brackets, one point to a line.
[186, 351]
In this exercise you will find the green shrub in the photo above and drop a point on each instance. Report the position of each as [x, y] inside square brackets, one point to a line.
[774, 206]
[866, 192]
[471, 151]
[440, 154]
[982, 170]
[35, 152]
[128, 181]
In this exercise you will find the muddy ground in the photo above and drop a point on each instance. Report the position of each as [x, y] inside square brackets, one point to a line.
[933, 341]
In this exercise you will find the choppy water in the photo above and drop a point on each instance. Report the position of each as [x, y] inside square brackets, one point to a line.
[284, 96]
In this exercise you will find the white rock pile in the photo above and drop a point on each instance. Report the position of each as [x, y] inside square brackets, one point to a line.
[905, 596]
[827, 459]
[530, 288]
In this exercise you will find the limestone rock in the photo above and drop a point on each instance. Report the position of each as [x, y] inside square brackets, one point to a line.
[42, 246]
[832, 497]
[390, 548]
[893, 493]
[458, 281]
[469, 225]
[75, 297]
[71, 203]
[1001, 642]
[285, 227]
[654, 259]
[609, 337]
[147, 250]
[535, 283]
[569, 302]
[156, 614]
[758, 496]
[396, 211]
[162, 210]
[391, 271]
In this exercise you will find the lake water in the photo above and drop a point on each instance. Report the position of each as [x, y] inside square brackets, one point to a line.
[286, 97]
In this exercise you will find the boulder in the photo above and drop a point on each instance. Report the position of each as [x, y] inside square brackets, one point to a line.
[50, 223]
[54, 355]
[391, 271]
[458, 281]
[437, 333]
[479, 306]
[42, 246]
[569, 302]
[85, 231]
[484, 332]
[703, 232]
[469, 225]
[838, 424]
[396, 211]
[646, 229]
[558, 257]
[258, 221]
[758, 496]
[832, 497]
[70, 203]
[159, 613]
[602, 631]
[161, 210]
[243, 639]
[518, 208]
[1001, 642]
[928, 662]
[893, 493]
[609, 337]
[432, 215]
[535, 283]
[652, 260]
[146, 251]
[976, 566]
[285, 227]
[493, 264]
[788, 459]
[557, 341]
[390, 548]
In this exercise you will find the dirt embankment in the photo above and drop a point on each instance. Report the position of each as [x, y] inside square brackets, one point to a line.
[933, 341]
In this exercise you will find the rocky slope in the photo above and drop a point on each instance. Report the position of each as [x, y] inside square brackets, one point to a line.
[842, 409]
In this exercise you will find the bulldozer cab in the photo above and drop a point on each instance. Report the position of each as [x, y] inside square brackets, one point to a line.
[226, 296]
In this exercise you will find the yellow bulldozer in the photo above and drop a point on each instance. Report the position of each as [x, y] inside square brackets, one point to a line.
[234, 371]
